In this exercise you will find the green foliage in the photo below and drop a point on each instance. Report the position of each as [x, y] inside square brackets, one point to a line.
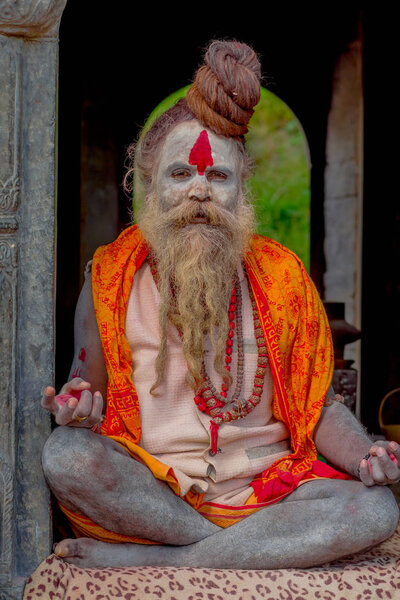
[280, 186]
[163, 106]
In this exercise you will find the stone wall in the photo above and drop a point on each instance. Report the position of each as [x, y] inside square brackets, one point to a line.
[28, 84]
[343, 190]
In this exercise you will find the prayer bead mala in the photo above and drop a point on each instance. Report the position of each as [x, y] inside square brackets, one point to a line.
[208, 399]
[214, 402]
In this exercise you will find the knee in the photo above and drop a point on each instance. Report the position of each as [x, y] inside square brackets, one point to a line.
[379, 513]
[388, 510]
[69, 454]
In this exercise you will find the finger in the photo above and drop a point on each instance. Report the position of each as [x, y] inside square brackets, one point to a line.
[83, 409]
[394, 449]
[380, 444]
[97, 409]
[365, 474]
[76, 384]
[377, 472]
[389, 468]
[48, 398]
[64, 414]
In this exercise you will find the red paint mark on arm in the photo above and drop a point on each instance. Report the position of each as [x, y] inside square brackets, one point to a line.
[200, 154]
[82, 354]
[76, 373]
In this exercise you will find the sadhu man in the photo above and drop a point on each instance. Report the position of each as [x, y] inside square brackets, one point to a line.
[200, 393]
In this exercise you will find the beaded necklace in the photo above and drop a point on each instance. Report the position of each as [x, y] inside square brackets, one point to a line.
[208, 399]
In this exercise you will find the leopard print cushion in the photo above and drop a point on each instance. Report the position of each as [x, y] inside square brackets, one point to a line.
[366, 575]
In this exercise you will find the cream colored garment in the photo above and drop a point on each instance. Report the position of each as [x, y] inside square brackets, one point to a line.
[174, 430]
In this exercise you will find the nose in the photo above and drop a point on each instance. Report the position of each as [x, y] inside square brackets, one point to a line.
[199, 189]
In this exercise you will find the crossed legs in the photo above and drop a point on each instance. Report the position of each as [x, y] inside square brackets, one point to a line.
[320, 521]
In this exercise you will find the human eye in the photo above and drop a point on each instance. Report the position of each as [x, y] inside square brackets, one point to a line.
[180, 174]
[216, 176]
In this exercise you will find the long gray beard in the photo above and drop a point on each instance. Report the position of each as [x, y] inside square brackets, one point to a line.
[196, 268]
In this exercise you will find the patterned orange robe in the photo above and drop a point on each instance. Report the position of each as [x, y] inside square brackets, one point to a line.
[300, 351]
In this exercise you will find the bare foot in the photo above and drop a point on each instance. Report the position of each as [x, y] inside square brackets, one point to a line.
[89, 553]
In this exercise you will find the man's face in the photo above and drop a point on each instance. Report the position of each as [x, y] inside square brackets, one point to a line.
[196, 165]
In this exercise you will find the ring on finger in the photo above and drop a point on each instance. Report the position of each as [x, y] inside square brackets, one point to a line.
[98, 425]
[80, 419]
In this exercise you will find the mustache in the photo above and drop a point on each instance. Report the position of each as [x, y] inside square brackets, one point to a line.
[186, 212]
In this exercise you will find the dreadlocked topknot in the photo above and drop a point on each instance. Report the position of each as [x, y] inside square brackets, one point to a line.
[225, 90]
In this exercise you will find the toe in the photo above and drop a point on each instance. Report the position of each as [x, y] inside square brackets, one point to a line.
[67, 548]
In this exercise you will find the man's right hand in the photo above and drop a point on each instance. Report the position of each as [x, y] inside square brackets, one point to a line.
[83, 412]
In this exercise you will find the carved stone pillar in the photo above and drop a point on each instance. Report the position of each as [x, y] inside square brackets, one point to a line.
[28, 93]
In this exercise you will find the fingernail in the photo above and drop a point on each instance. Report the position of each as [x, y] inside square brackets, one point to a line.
[72, 402]
[393, 445]
[380, 452]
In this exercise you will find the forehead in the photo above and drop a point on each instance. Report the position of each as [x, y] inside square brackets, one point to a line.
[182, 138]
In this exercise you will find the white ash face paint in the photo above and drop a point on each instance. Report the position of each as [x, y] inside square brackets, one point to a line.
[177, 181]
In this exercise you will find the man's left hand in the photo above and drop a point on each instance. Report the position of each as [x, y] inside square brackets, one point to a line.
[383, 466]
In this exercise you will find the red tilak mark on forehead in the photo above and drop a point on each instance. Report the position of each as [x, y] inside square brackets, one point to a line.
[200, 154]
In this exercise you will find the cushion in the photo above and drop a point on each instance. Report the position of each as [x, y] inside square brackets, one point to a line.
[372, 574]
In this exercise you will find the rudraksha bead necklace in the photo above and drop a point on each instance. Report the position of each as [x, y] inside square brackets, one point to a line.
[208, 400]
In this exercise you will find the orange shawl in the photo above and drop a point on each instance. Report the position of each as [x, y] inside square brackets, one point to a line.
[299, 344]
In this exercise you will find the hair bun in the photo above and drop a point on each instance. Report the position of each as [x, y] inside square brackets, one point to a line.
[226, 88]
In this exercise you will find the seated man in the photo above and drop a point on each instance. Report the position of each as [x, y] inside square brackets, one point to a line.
[200, 388]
